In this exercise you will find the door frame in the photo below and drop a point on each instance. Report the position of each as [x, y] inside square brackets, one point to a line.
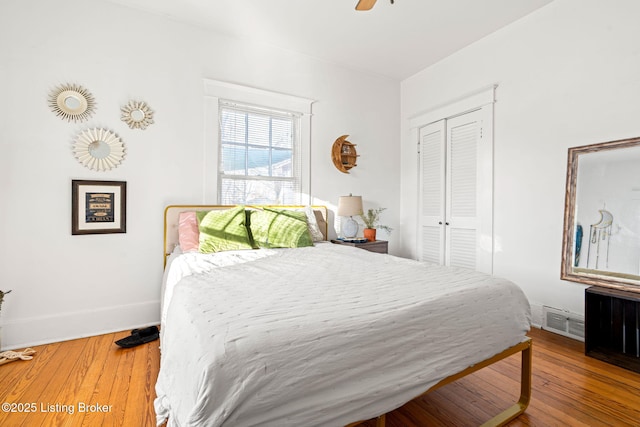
[482, 100]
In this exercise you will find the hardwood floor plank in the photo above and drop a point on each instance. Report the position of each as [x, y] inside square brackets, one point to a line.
[39, 385]
[120, 391]
[104, 388]
[137, 413]
[14, 372]
[579, 388]
[569, 388]
[80, 384]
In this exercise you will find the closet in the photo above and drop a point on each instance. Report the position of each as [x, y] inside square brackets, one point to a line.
[455, 191]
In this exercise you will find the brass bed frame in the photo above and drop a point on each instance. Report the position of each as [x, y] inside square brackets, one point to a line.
[513, 411]
[171, 215]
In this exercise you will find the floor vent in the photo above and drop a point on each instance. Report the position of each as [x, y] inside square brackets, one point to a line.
[563, 323]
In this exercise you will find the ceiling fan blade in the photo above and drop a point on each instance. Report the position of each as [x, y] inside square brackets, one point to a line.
[365, 4]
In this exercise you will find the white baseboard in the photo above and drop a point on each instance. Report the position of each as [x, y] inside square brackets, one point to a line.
[68, 326]
[34, 331]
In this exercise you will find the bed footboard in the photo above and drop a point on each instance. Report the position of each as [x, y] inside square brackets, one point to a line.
[525, 384]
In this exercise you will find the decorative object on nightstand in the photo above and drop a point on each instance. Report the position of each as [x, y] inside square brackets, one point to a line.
[72, 102]
[343, 154]
[371, 221]
[349, 206]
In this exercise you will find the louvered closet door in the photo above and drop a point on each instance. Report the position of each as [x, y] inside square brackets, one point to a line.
[432, 173]
[456, 192]
[461, 207]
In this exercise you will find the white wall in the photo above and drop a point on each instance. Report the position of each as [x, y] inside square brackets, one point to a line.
[68, 286]
[567, 75]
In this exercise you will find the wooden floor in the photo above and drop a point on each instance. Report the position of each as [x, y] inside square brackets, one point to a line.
[92, 382]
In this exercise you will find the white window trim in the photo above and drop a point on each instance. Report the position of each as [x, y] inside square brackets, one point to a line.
[214, 90]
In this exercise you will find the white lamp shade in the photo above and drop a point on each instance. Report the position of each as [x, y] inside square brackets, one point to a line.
[349, 205]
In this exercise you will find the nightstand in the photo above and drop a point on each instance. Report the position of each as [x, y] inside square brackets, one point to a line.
[379, 246]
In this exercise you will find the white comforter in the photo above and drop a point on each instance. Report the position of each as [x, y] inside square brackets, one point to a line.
[324, 336]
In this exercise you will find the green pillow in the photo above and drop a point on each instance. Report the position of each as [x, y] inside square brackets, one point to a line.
[223, 230]
[280, 228]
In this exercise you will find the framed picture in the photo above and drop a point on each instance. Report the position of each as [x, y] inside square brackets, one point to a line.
[98, 207]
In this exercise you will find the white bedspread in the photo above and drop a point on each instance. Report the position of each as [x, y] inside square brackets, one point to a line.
[324, 336]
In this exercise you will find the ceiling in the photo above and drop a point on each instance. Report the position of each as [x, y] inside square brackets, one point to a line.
[393, 40]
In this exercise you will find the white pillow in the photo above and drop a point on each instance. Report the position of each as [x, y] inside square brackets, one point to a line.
[312, 225]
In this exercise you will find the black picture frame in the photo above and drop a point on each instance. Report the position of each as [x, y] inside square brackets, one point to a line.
[98, 207]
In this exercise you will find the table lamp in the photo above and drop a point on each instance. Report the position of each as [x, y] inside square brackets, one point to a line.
[349, 206]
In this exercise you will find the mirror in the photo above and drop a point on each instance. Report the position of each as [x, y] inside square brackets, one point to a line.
[72, 103]
[601, 240]
[99, 149]
[137, 115]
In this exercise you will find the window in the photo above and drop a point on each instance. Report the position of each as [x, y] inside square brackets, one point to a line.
[259, 155]
[257, 146]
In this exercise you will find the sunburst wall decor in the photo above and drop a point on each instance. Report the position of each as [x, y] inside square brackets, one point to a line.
[72, 102]
[99, 149]
[137, 115]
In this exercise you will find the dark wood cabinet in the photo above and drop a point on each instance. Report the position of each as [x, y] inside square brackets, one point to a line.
[612, 326]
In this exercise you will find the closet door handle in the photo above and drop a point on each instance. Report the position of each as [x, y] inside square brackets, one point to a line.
[446, 223]
[439, 222]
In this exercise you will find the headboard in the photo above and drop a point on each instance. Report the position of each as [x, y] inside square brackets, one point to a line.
[172, 214]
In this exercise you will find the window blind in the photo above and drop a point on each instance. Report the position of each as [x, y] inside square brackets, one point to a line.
[259, 155]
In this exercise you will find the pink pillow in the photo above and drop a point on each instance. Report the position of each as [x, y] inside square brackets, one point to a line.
[188, 233]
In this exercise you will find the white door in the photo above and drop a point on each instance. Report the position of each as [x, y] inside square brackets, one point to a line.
[456, 192]
[432, 191]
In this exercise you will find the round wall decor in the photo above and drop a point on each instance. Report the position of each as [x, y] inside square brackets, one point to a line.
[137, 115]
[99, 149]
[72, 102]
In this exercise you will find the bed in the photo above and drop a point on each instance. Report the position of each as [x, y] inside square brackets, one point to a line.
[323, 334]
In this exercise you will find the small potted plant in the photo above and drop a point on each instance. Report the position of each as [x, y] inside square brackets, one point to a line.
[2, 294]
[371, 222]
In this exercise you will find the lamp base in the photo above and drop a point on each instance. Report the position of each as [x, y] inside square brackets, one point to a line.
[350, 228]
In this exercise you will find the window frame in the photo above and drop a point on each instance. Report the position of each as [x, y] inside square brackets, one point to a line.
[247, 110]
[214, 92]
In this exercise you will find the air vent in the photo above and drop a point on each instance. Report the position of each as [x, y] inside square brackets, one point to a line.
[563, 322]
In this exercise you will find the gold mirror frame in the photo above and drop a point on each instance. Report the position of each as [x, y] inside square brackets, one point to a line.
[610, 279]
[137, 115]
[72, 102]
[99, 149]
